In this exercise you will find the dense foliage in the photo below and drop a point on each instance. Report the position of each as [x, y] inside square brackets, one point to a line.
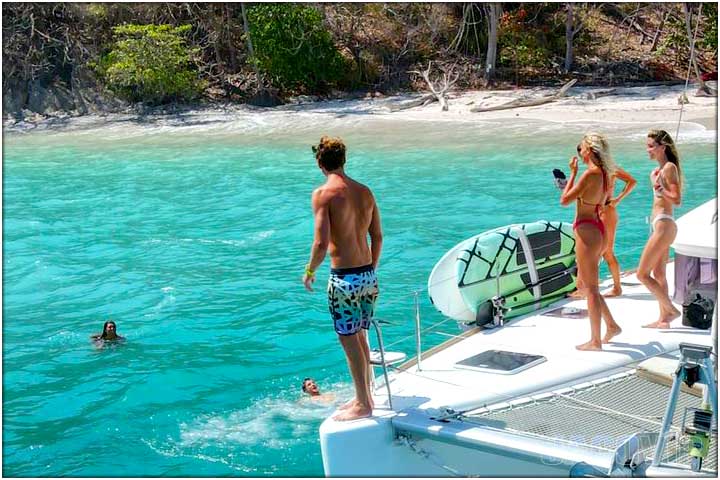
[168, 52]
[709, 38]
[151, 63]
[522, 46]
[293, 47]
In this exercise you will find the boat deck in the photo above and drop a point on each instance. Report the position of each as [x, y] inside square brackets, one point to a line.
[439, 384]
[612, 410]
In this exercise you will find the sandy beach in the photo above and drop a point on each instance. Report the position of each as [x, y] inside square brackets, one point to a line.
[581, 105]
[634, 104]
[625, 105]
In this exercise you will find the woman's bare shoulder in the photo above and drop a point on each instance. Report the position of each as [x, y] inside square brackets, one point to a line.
[670, 172]
[594, 174]
[669, 167]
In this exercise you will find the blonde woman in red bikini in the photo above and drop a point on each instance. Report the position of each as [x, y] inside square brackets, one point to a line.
[591, 192]
[666, 181]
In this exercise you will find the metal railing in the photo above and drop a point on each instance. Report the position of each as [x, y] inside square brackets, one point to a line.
[382, 360]
[381, 347]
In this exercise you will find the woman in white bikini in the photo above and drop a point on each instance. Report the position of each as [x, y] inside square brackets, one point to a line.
[666, 181]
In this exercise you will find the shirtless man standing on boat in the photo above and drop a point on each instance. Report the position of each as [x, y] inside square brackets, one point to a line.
[345, 214]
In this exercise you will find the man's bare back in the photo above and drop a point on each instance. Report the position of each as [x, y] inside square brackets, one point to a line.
[350, 207]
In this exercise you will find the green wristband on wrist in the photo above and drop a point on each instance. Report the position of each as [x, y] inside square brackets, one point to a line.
[309, 273]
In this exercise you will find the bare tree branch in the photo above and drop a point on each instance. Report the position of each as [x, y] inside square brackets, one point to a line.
[440, 89]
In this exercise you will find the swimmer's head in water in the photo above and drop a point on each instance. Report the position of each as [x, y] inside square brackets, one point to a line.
[310, 387]
[109, 329]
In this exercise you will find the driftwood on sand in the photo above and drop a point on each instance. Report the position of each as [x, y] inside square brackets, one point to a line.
[594, 95]
[528, 102]
[439, 88]
[424, 100]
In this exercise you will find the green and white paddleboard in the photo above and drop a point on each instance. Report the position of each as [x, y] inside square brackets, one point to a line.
[530, 264]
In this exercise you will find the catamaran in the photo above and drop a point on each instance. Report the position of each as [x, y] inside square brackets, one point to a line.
[518, 399]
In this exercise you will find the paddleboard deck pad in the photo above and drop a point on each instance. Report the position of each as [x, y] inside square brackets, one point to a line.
[531, 265]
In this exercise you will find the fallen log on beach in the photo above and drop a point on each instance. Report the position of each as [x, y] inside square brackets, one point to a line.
[528, 102]
[594, 95]
[422, 101]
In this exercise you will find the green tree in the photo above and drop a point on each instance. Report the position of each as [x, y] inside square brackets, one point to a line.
[519, 44]
[293, 47]
[151, 63]
[709, 29]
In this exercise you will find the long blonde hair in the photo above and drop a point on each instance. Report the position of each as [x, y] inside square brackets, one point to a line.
[661, 137]
[598, 144]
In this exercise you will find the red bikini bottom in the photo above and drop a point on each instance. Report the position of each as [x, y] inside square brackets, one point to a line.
[596, 223]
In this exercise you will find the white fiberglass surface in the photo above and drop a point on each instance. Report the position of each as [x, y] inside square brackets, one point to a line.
[440, 384]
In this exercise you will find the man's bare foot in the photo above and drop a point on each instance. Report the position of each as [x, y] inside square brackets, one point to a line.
[353, 402]
[610, 333]
[348, 404]
[353, 413]
[576, 294]
[615, 292]
[590, 346]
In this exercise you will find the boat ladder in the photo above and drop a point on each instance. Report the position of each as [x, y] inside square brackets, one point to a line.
[695, 365]
[382, 360]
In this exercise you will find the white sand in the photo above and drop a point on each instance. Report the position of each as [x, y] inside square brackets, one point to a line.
[656, 105]
[628, 105]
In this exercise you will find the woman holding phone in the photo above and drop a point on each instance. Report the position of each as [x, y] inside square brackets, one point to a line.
[590, 193]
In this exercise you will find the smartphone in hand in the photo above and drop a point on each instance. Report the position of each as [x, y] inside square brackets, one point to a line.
[560, 179]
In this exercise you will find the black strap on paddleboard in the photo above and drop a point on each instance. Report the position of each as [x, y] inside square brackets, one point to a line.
[570, 270]
[485, 310]
[549, 297]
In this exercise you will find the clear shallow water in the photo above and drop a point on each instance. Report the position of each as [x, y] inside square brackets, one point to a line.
[192, 235]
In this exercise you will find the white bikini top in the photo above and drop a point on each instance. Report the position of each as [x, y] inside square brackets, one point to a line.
[661, 180]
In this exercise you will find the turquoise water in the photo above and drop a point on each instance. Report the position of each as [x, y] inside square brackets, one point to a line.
[193, 237]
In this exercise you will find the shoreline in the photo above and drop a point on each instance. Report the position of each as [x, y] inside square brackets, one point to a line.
[627, 105]
[592, 105]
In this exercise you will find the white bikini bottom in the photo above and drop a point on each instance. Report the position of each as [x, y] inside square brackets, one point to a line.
[661, 216]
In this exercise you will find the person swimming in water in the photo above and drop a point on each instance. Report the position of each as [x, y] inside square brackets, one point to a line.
[666, 181]
[109, 334]
[591, 192]
[310, 387]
